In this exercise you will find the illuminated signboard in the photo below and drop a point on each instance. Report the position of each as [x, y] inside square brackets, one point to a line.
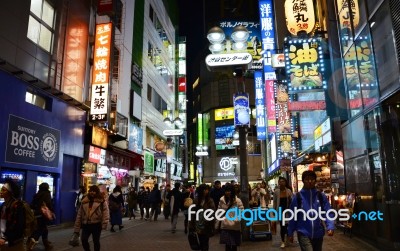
[304, 64]
[224, 113]
[270, 104]
[224, 135]
[299, 16]
[237, 58]
[260, 105]
[148, 163]
[101, 73]
[344, 13]
[283, 117]
[200, 128]
[242, 110]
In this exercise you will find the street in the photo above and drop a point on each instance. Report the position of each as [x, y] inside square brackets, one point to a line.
[145, 235]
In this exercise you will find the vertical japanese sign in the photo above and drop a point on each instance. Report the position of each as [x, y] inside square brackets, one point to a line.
[101, 73]
[304, 64]
[242, 110]
[148, 163]
[267, 36]
[260, 105]
[283, 116]
[200, 128]
[299, 16]
[270, 104]
[344, 13]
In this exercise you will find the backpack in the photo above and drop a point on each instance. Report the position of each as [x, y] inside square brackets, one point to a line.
[30, 219]
[299, 199]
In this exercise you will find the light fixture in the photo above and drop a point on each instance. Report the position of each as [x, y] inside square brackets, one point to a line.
[167, 121]
[216, 48]
[178, 121]
[239, 46]
[236, 135]
[240, 34]
[216, 35]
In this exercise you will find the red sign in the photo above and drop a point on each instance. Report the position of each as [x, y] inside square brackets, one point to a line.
[307, 105]
[270, 104]
[94, 154]
[182, 84]
[104, 7]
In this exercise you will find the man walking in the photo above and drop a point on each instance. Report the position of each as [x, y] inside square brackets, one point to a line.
[176, 202]
[310, 233]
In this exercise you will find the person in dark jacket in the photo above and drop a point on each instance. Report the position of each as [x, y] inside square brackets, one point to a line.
[176, 202]
[12, 211]
[42, 197]
[203, 227]
[116, 206]
[155, 202]
[217, 192]
[143, 200]
[310, 233]
[132, 202]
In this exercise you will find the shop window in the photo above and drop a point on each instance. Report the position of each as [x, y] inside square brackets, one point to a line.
[384, 49]
[41, 24]
[149, 92]
[37, 100]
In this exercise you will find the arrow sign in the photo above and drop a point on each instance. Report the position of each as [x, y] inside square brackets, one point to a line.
[173, 132]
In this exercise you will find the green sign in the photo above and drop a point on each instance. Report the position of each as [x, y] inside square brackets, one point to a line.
[148, 163]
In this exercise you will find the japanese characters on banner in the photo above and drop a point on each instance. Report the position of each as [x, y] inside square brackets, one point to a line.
[242, 110]
[283, 117]
[344, 13]
[160, 168]
[267, 36]
[224, 113]
[101, 73]
[260, 105]
[300, 16]
[304, 64]
[270, 104]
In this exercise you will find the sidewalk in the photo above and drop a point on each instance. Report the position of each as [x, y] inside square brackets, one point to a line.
[143, 235]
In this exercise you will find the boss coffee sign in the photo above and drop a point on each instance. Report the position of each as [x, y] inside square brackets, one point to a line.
[32, 143]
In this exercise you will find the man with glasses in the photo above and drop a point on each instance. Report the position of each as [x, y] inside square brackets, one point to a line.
[310, 228]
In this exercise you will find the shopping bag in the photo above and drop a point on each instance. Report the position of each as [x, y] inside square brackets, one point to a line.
[194, 240]
[46, 212]
[75, 240]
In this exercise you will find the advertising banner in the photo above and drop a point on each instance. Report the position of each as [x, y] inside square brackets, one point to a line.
[148, 163]
[31, 143]
[242, 110]
[260, 105]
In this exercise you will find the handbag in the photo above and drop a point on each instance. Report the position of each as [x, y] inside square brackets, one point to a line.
[75, 240]
[188, 201]
[46, 212]
[193, 239]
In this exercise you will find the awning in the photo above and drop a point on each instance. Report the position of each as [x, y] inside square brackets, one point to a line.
[137, 160]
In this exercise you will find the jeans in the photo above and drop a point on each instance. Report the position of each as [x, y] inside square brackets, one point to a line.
[95, 231]
[307, 244]
[154, 211]
[283, 231]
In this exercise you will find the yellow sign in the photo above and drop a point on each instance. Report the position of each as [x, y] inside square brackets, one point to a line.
[225, 113]
[300, 16]
[344, 13]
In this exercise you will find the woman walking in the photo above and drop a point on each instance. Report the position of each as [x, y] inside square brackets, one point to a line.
[92, 218]
[230, 229]
[116, 206]
[42, 197]
[202, 227]
[282, 198]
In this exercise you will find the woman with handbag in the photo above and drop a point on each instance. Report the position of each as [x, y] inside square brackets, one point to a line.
[282, 199]
[41, 199]
[230, 229]
[204, 229]
[188, 196]
[92, 218]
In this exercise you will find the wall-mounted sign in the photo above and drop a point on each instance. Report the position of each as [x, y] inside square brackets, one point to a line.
[307, 105]
[173, 132]
[97, 155]
[344, 13]
[148, 163]
[260, 105]
[270, 105]
[227, 165]
[300, 16]
[99, 137]
[237, 58]
[224, 113]
[160, 168]
[137, 73]
[278, 60]
[242, 110]
[304, 64]
[31, 143]
[101, 73]
[105, 7]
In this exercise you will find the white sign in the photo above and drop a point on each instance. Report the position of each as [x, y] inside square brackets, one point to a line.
[225, 163]
[239, 58]
[201, 154]
[174, 132]
[99, 102]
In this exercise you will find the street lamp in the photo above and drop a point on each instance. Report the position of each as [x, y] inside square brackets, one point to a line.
[237, 45]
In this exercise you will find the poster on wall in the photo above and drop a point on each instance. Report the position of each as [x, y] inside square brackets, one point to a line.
[32, 143]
